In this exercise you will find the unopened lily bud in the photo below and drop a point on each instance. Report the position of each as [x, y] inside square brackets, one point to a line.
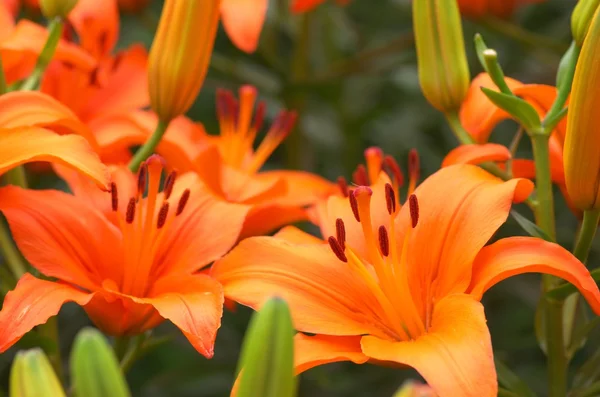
[580, 20]
[180, 54]
[443, 69]
[582, 143]
[32, 375]
[57, 8]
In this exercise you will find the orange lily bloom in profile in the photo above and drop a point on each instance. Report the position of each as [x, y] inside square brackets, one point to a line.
[402, 284]
[498, 8]
[130, 259]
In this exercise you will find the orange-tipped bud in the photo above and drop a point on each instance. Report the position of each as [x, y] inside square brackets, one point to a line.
[582, 143]
[180, 54]
[443, 69]
[580, 20]
[57, 8]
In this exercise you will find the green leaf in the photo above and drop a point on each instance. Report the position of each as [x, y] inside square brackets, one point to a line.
[95, 370]
[523, 112]
[531, 228]
[511, 382]
[589, 372]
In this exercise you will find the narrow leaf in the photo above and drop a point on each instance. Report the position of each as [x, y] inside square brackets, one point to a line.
[522, 111]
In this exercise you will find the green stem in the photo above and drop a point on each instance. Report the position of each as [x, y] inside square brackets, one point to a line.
[121, 346]
[565, 289]
[3, 87]
[54, 33]
[586, 234]
[148, 148]
[133, 353]
[49, 330]
[17, 176]
[12, 256]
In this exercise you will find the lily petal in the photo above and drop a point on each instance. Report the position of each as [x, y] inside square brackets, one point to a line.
[49, 227]
[295, 235]
[324, 294]
[303, 188]
[516, 255]
[263, 219]
[477, 154]
[312, 351]
[31, 303]
[243, 20]
[299, 6]
[24, 145]
[455, 356]
[97, 25]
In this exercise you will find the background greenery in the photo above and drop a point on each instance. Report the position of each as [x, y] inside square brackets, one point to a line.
[351, 74]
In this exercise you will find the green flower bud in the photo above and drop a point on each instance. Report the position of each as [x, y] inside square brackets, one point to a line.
[32, 376]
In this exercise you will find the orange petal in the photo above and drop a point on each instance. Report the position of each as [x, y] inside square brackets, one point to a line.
[240, 187]
[263, 219]
[460, 208]
[477, 154]
[303, 188]
[517, 255]
[61, 236]
[204, 231]
[31, 303]
[243, 20]
[194, 304]
[305, 5]
[312, 351]
[97, 25]
[24, 145]
[324, 295]
[455, 357]
[7, 20]
[295, 235]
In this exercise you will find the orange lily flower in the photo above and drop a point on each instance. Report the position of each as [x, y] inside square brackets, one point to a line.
[402, 284]
[498, 8]
[129, 260]
[133, 6]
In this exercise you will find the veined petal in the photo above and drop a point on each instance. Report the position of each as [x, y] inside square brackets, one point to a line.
[204, 231]
[304, 5]
[62, 236]
[240, 187]
[455, 356]
[295, 235]
[31, 303]
[477, 154]
[303, 188]
[324, 294]
[516, 255]
[97, 25]
[263, 219]
[24, 145]
[312, 351]
[460, 208]
[243, 20]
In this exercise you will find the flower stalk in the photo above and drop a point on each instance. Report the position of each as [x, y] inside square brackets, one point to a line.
[148, 148]
[54, 33]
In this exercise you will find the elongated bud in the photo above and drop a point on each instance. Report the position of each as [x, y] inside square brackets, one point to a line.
[32, 375]
[580, 19]
[443, 69]
[180, 55]
[582, 143]
[57, 8]
[267, 357]
[94, 368]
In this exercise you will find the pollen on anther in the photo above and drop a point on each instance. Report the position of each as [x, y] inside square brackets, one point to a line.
[337, 249]
[414, 164]
[185, 196]
[130, 213]
[162, 215]
[354, 206]
[360, 176]
[142, 178]
[340, 232]
[114, 196]
[169, 183]
[384, 241]
[413, 203]
[343, 185]
[390, 198]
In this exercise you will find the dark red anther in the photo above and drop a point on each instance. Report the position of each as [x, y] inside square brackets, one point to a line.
[114, 196]
[360, 176]
[130, 213]
[343, 185]
[414, 209]
[142, 178]
[384, 241]
[290, 121]
[390, 199]
[393, 169]
[354, 206]
[222, 109]
[259, 116]
[340, 232]
[337, 249]
[162, 215]
[169, 183]
[185, 196]
[414, 165]
[94, 77]
[102, 38]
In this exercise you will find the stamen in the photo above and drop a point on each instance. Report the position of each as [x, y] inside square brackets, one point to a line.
[414, 209]
[222, 108]
[259, 116]
[374, 158]
[414, 170]
[185, 196]
[337, 249]
[130, 214]
[343, 185]
[384, 241]
[354, 205]
[393, 170]
[117, 61]
[340, 231]
[142, 178]
[390, 198]
[360, 176]
[114, 196]
[162, 215]
[169, 183]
